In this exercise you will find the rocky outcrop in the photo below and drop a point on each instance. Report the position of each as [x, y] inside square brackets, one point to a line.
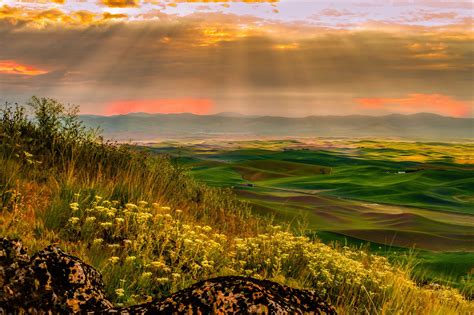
[237, 295]
[49, 281]
[52, 281]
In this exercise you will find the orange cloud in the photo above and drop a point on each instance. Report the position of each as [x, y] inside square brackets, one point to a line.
[9, 13]
[44, 18]
[423, 47]
[291, 46]
[84, 17]
[111, 16]
[12, 67]
[41, 1]
[120, 3]
[161, 106]
[416, 103]
[430, 51]
[212, 35]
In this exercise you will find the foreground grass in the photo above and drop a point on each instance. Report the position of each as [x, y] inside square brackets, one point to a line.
[151, 229]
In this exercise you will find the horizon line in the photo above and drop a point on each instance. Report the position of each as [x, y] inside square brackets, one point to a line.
[240, 115]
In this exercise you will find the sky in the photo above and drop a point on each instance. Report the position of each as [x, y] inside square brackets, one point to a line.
[258, 57]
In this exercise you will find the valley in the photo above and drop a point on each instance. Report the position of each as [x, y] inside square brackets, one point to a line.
[394, 196]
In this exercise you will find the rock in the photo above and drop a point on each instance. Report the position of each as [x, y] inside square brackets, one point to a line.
[52, 281]
[236, 295]
[49, 281]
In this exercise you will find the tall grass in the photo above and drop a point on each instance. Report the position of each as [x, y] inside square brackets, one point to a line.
[151, 229]
[55, 147]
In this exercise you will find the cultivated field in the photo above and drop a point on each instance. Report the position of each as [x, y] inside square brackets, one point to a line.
[396, 195]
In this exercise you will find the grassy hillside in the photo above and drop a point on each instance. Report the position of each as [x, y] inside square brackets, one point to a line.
[151, 229]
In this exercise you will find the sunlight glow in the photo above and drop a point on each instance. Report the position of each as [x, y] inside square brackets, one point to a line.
[414, 103]
[161, 106]
[291, 46]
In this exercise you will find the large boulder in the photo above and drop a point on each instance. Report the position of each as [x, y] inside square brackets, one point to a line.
[52, 281]
[236, 295]
[49, 281]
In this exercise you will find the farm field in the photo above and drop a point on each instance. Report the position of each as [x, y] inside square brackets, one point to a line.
[393, 194]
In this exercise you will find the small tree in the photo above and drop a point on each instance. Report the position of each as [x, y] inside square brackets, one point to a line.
[15, 129]
[48, 115]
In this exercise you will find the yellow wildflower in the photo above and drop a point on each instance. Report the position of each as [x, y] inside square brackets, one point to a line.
[207, 229]
[114, 259]
[74, 220]
[175, 275]
[120, 292]
[90, 219]
[98, 241]
[162, 280]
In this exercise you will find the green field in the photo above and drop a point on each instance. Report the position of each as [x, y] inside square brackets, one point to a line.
[396, 195]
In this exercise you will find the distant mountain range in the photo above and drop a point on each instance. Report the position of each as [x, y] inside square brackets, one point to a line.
[143, 126]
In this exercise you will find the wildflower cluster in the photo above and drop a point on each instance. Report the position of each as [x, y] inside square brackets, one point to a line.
[146, 240]
[149, 250]
[282, 255]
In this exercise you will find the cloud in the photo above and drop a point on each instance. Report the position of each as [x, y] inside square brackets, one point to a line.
[337, 13]
[110, 16]
[161, 106]
[120, 3]
[13, 67]
[436, 3]
[9, 13]
[45, 2]
[290, 46]
[171, 3]
[415, 103]
[336, 16]
[41, 19]
[424, 15]
[432, 52]
[240, 62]
[213, 34]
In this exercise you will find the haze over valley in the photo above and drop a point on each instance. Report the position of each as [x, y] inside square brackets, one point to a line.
[142, 126]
